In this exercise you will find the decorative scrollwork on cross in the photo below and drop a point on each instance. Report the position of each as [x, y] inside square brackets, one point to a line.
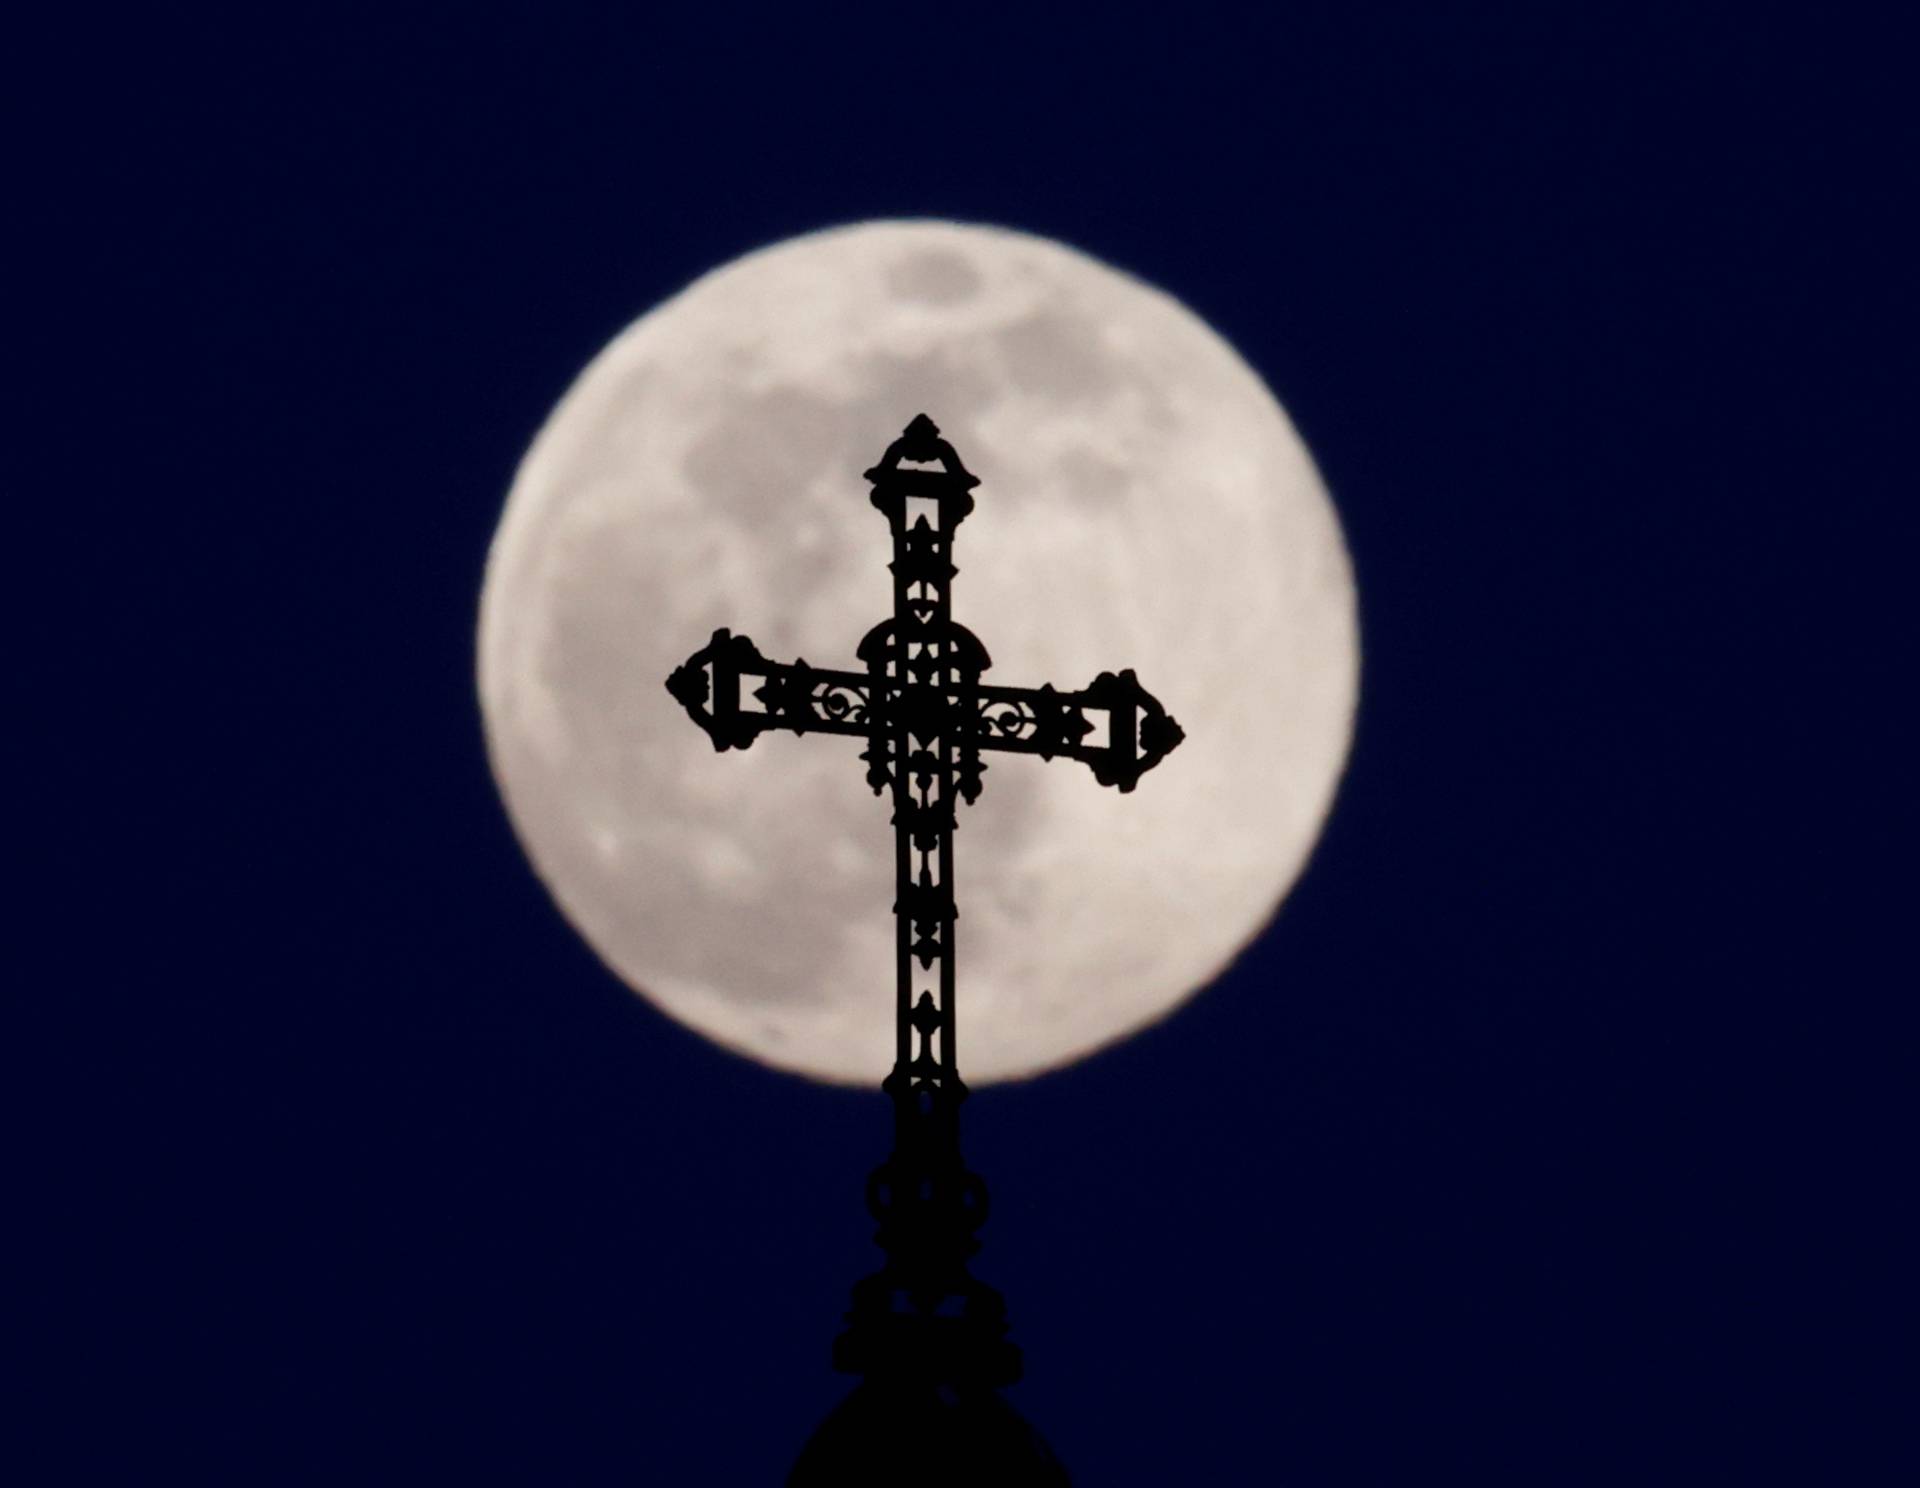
[840, 703]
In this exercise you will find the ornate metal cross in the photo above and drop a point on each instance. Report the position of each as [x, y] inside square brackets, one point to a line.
[926, 718]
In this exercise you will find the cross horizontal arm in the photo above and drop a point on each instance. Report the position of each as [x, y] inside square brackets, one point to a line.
[1114, 725]
[1136, 736]
[791, 695]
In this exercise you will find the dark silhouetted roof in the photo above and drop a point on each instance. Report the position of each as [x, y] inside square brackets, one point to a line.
[932, 1436]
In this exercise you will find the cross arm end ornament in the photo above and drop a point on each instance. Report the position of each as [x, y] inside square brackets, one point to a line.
[1135, 716]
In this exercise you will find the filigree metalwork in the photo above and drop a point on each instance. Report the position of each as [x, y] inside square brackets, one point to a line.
[841, 702]
[926, 718]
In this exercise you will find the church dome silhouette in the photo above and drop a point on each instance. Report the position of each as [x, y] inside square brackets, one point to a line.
[889, 1432]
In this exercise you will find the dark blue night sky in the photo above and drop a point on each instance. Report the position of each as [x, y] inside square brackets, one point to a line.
[1544, 1140]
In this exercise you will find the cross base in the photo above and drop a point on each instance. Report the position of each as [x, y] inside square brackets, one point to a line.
[922, 1316]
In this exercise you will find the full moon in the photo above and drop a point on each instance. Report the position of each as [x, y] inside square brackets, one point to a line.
[1144, 502]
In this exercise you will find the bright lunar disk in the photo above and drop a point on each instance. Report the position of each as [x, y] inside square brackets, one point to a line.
[1143, 502]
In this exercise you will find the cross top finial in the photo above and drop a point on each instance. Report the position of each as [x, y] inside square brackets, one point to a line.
[905, 470]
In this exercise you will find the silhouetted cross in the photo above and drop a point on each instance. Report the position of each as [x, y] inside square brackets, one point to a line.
[926, 717]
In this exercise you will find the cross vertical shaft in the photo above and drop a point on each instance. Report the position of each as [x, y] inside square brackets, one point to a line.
[923, 1313]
